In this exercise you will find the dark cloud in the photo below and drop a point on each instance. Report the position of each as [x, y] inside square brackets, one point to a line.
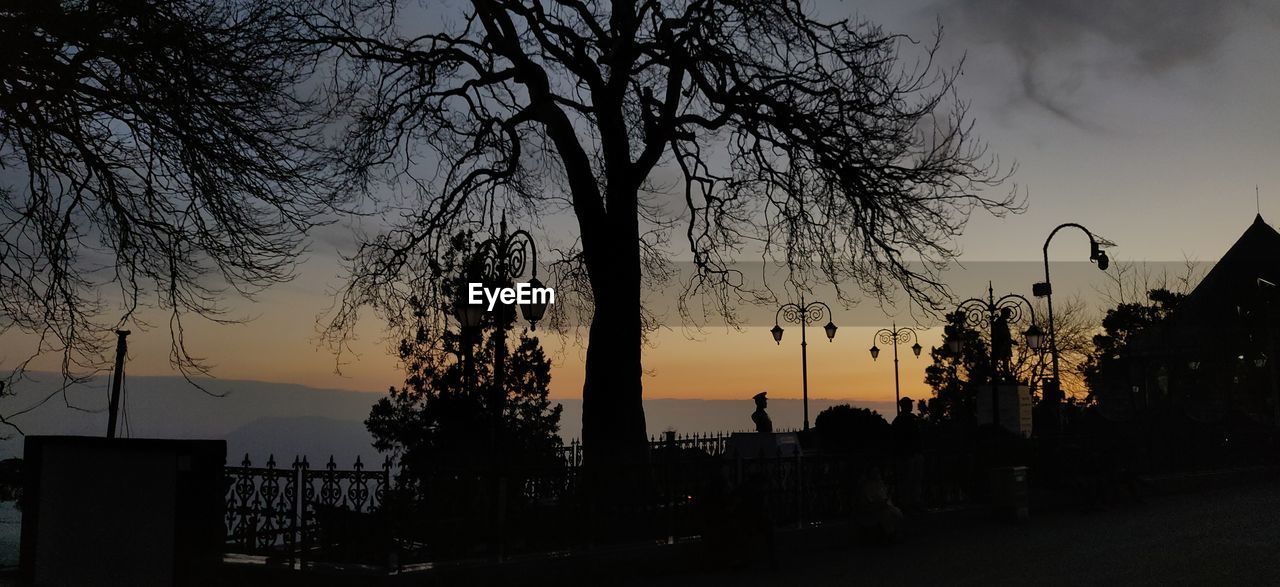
[1061, 45]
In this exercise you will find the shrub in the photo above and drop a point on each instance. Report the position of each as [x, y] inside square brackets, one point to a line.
[846, 429]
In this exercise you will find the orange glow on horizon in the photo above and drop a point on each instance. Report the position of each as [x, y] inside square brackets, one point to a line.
[737, 365]
[714, 364]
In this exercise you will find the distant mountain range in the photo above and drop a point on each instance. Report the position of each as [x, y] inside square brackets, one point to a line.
[285, 420]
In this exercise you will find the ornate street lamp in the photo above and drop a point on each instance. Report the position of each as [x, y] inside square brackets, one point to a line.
[894, 336]
[537, 307]
[500, 260]
[1045, 289]
[804, 315]
[1010, 308]
[468, 315]
[1035, 337]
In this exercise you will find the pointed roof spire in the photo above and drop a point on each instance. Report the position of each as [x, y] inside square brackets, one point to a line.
[1255, 254]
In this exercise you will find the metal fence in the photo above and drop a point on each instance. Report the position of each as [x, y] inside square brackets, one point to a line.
[690, 486]
[272, 509]
[711, 443]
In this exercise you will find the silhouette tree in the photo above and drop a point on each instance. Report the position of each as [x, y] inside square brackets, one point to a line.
[781, 134]
[1139, 298]
[1108, 365]
[437, 421]
[157, 155]
[440, 428]
[956, 377]
[440, 419]
[1075, 324]
[846, 429]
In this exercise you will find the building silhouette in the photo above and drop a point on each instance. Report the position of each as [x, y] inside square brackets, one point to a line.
[1202, 383]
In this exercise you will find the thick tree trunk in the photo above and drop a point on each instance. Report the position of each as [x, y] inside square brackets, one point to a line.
[613, 424]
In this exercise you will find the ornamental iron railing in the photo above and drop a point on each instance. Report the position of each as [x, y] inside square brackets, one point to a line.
[272, 509]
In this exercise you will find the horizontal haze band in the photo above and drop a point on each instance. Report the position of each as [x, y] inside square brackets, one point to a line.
[1080, 283]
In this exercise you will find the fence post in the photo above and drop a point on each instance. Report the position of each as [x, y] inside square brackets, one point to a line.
[386, 482]
[301, 517]
[250, 538]
[671, 498]
[295, 518]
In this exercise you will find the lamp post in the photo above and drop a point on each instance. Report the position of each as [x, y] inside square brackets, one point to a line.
[500, 260]
[894, 336]
[469, 319]
[1010, 309]
[1045, 289]
[803, 314]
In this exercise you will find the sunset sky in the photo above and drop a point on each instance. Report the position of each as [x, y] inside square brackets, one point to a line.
[1148, 121]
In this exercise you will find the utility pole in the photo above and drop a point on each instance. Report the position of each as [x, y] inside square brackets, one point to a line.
[117, 376]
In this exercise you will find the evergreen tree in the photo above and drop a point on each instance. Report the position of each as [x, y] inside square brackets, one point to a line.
[846, 429]
[440, 423]
[956, 376]
[1108, 364]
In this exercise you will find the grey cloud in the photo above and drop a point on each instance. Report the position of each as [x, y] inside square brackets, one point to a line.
[335, 239]
[1060, 45]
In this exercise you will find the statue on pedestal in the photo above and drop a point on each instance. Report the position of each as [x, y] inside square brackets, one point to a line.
[760, 417]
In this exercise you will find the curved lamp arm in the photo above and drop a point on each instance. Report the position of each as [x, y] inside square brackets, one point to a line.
[1012, 301]
[1096, 255]
[801, 313]
[1096, 244]
[533, 249]
[830, 314]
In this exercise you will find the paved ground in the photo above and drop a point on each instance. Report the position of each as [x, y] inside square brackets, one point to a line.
[1226, 536]
[1229, 536]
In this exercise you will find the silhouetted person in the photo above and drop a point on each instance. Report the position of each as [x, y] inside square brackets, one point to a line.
[761, 417]
[908, 455]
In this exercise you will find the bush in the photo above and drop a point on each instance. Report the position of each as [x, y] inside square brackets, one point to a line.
[846, 429]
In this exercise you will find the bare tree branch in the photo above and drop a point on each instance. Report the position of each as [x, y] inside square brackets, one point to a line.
[169, 159]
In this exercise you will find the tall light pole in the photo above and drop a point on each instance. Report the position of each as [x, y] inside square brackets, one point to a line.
[1045, 289]
[499, 260]
[470, 317]
[1010, 309]
[894, 336]
[803, 314]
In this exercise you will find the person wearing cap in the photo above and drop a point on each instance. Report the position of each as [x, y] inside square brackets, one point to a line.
[760, 417]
